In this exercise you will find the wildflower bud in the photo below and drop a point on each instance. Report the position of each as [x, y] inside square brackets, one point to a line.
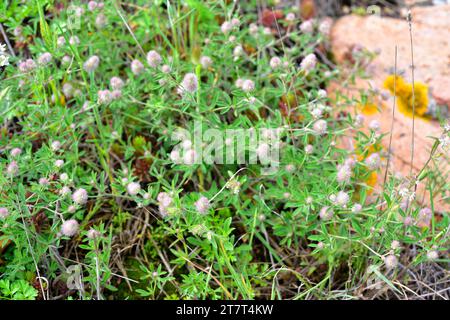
[45, 58]
[342, 198]
[253, 29]
[190, 157]
[64, 191]
[16, 152]
[275, 62]
[17, 32]
[374, 125]
[226, 27]
[432, 255]
[93, 234]
[74, 40]
[307, 26]
[391, 261]
[104, 97]
[56, 145]
[65, 61]
[373, 161]
[4, 213]
[248, 86]
[232, 39]
[133, 188]
[80, 196]
[395, 244]
[206, 62]
[357, 208]
[308, 63]
[92, 5]
[202, 205]
[344, 174]
[320, 127]
[153, 59]
[69, 227]
[326, 213]
[189, 83]
[290, 167]
[12, 169]
[290, 17]
[316, 113]
[91, 64]
[137, 67]
[59, 163]
[116, 83]
[309, 149]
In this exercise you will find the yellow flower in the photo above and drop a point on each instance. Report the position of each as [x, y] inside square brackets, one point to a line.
[404, 93]
[368, 109]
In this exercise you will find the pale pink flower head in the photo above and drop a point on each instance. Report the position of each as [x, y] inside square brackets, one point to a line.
[432, 255]
[61, 41]
[206, 62]
[342, 198]
[16, 152]
[309, 149]
[93, 234]
[275, 62]
[92, 5]
[80, 196]
[248, 85]
[356, 208]
[373, 161]
[307, 26]
[320, 127]
[133, 188]
[226, 27]
[344, 174]
[202, 205]
[116, 83]
[390, 261]
[116, 94]
[153, 59]
[4, 213]
[104, 97]
[137, 67]
[189, 83]
[91, 64]
[44, 181]
[45, 58]
[309, 62]
[290, 17]
[326, 213]
[100, 21]
[74, 40]
[12, 169]
[70, 227]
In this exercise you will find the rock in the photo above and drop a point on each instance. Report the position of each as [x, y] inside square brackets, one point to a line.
[432, 66]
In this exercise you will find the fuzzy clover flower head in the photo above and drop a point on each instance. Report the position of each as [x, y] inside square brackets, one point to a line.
[189, 83]
[60, 42]
[253, 29]
[307, 26]
[80, 196]
[395, 245]
[190, 157]
[238, 83]
[248, 86]
[202, 205]
[321, 94]
[390, 261]
[166, 68]
[308, 63]
[101, 21]
[4, 213]
[153, 59]
[373, 161]
[325, 26]
[133, 188]
[64, 191]
[12, 169]
[27, 65]
[357, 208]
[45, 58]
[290, 17]
[104, 97]
[263, 151]
[309, 149]
[93, 234]
[359, 120]
[70, 227]
[206, 62]
[116, 94]
[56, 145]
[326, 213]
[64, 177]
[238, 51]
[344, 174]
[342, 198]
[74, 40]
[235, 22]
[59, 163]
[424, 217]
[92, 5]
[164, 202]
[226, 27]
[275, 62]
[43, 182]
[116, 83]
[374, 125]
[137, 67]
[91, 64]
[432, 255]
[320, 127]
[16, 152]
[65, 61]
